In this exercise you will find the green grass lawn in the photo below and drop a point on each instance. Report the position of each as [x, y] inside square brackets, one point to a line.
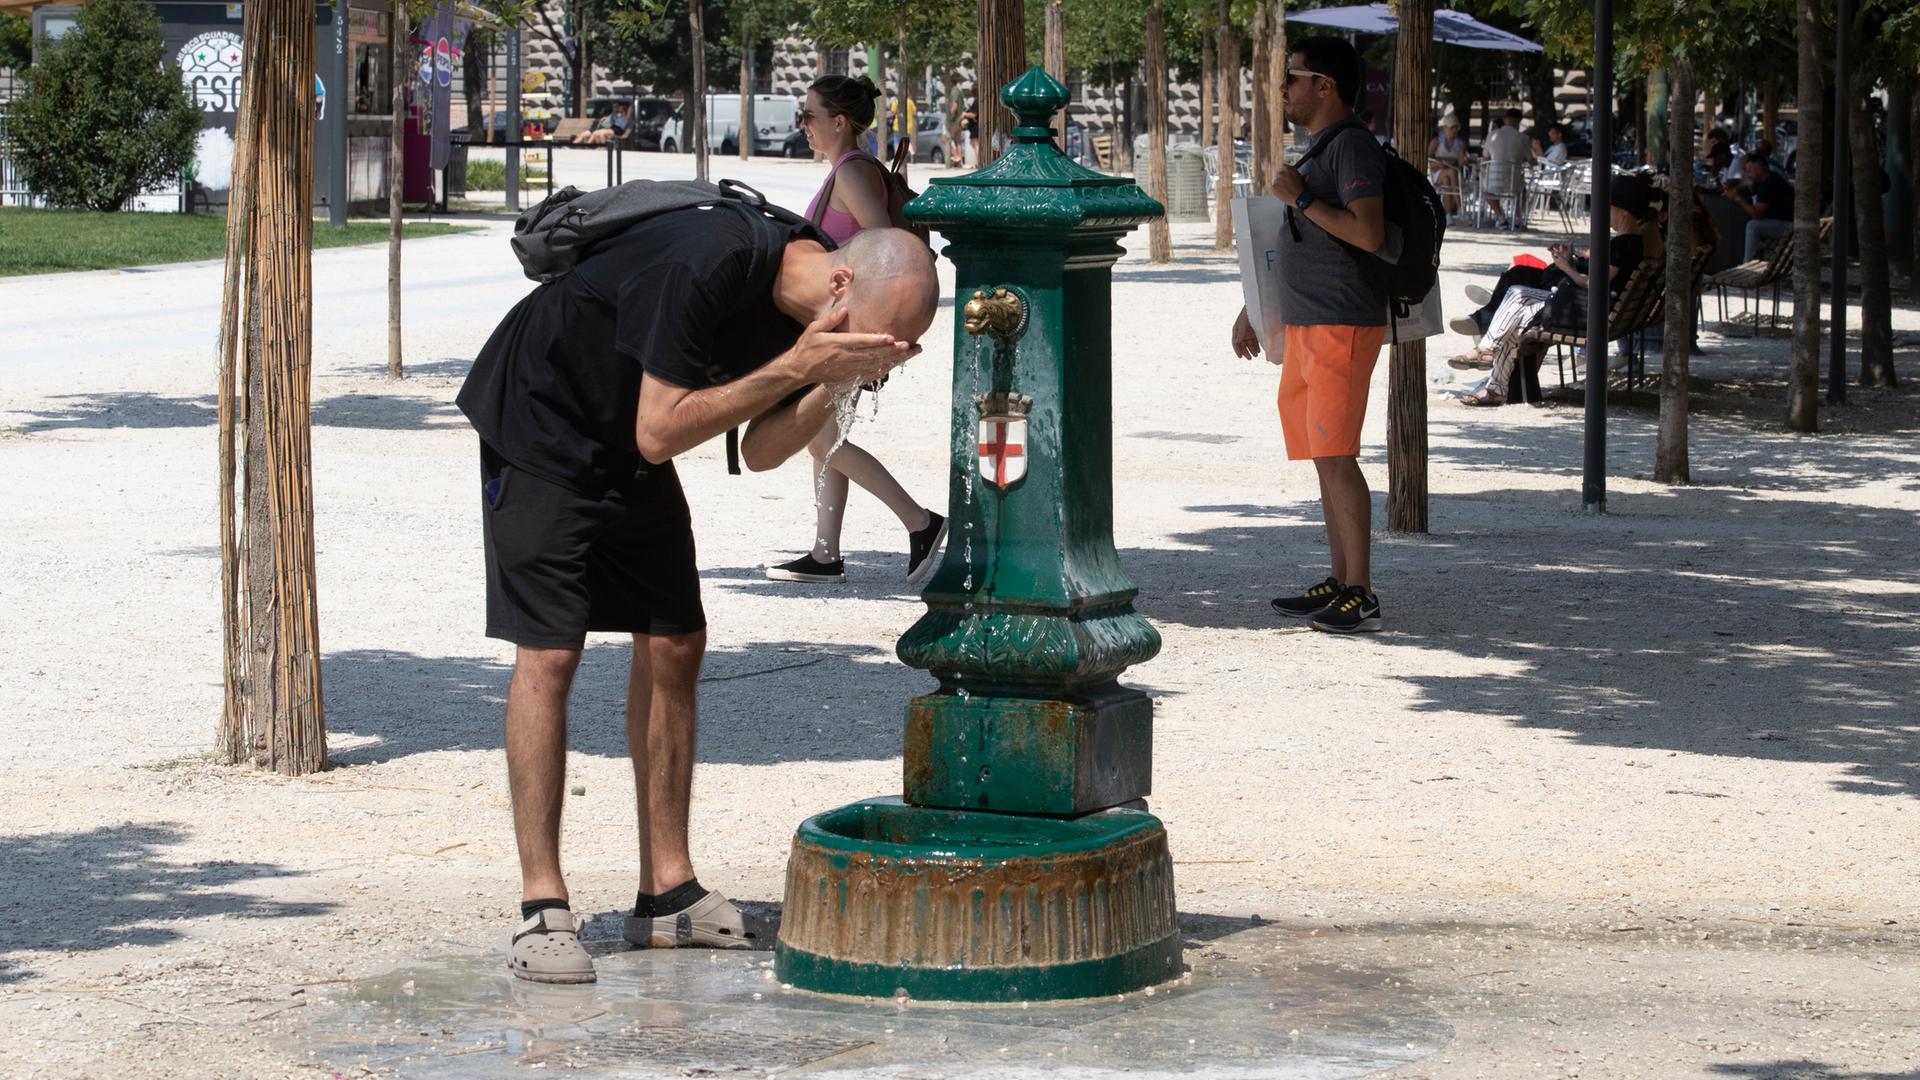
[53, 241]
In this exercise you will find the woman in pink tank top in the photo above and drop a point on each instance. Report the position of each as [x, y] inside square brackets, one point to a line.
[838, 110]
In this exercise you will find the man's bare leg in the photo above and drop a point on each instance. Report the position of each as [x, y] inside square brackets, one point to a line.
[537, 764]
[1348, 506]
[662, 710]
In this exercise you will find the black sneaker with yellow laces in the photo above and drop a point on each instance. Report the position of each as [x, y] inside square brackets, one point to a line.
[1315, 598]
[1354, 611]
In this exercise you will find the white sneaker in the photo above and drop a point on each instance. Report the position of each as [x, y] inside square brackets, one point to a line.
[1480, 295]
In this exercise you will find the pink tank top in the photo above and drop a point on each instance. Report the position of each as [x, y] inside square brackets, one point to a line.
[837, 224]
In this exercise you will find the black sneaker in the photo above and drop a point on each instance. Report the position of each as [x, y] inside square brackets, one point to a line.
[922, 545]
[1315, 598]
[1354, 611]
[808, 568]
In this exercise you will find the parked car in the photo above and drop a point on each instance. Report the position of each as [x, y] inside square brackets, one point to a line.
[774, 120]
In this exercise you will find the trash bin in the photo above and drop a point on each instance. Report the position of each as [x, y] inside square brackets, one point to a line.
[457, 169]
[1186, 184]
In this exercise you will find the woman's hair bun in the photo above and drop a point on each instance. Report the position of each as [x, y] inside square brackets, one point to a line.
[866, 84]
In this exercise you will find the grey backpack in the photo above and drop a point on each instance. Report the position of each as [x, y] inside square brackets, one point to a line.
[550, 238]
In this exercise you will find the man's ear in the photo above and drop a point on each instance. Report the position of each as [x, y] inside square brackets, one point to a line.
[840, 283]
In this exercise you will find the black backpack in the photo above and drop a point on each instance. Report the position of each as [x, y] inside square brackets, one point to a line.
[550, 237]
[1415, 207]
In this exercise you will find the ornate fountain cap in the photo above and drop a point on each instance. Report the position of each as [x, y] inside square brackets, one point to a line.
[1033, 191]
[1035, 98]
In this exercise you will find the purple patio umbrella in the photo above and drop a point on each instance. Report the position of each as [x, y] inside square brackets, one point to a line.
[1449, 27]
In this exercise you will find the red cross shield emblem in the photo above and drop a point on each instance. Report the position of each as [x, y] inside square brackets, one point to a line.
[1003, 450]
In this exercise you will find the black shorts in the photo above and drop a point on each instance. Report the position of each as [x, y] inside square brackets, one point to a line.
[560, 563]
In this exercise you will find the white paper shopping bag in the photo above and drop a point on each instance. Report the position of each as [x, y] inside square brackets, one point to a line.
[1257, 224]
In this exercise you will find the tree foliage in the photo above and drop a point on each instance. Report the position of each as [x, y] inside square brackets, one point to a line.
[16, 41]
[657, 50]
[105, 115]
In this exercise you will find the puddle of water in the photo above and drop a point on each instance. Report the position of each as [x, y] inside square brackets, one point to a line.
[1241, 1011]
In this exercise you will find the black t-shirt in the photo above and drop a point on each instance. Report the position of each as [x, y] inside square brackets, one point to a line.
[686, 297]
[1625, 251]
[1777, 194]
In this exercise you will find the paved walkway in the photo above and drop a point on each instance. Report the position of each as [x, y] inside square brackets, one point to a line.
[1631, 795]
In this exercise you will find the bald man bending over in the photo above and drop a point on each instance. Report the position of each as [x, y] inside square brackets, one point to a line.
[682, 327]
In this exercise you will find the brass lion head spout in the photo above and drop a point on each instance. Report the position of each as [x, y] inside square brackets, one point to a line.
[1002, 314]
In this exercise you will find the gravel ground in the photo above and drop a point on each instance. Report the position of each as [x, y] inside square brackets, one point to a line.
[1633, 794]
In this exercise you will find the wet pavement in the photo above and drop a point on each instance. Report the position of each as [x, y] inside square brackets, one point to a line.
[1245, 1008]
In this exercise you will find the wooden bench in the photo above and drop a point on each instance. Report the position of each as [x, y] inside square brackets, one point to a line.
[1632, 312]
[1751, 277]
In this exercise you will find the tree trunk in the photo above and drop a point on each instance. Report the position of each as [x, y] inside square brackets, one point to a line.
[697, 115]
[1670, 465]
[1769, 108]
[1002, 58]
[1227, 93]
[1407, 370]
[1803, 395]
[583, 65]
[906, 88]
[473, 85]
[1056, 54]
[746, 94]
[1869, 208]
[1276, 90]
[1913, 167]
[396, 184]
[273, 711]
[1540, 87]
[1123, 148]
[1159, 233]
[1263, 118]
[1207, 121]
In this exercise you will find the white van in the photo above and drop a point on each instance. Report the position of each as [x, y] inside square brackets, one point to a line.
[774, 117]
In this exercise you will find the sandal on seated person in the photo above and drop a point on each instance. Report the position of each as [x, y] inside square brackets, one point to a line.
[1483, 398]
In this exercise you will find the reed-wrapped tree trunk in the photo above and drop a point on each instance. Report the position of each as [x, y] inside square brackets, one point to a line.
[1876, 260]
[1803, 392]
[1207, 121]
[1056, 53]
[697, 115]
[396, 174]
[1263, 117]
[1000, 59]
[1276, 89]
[1913, 166]
[1407, 370]
[272, 714]
[1670, 463]
[1227, 93]
[746, 93]
[1159, 233]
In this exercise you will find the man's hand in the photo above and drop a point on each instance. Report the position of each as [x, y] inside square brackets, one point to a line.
[826, 355]
[1246, 343]
[1288, 184]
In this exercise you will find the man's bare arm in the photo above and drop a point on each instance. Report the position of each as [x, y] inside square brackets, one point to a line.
[1362, 222]
[673, 419]
[778, 434]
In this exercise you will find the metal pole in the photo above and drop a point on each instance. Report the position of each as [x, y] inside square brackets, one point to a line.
[337, 110]
[1593, 484]
[513, 121]
[1842, 205]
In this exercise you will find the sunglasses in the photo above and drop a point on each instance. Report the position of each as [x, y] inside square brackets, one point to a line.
[1296, 73]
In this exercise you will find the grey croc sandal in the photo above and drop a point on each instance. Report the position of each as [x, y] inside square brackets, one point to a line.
[547, 949]
[712, 921]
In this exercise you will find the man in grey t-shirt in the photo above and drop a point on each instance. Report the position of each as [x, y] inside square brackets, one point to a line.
[1335, 316]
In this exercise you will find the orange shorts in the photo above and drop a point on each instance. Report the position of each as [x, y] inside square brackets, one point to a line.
[1323, 388]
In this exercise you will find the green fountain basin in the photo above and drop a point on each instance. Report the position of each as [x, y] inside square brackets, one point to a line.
[885, 899]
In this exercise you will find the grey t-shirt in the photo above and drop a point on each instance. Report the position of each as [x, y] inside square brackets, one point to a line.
[1323, 285]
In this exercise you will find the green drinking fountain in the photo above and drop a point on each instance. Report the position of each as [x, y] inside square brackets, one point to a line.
[1019, 862]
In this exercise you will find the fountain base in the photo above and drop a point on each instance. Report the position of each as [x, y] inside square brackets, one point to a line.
[958, 905]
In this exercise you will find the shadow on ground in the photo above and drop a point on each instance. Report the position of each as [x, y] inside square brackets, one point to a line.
[138, 409]
[114, 885]
[1805, 1069]
[760, 704]
[1696, 619]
